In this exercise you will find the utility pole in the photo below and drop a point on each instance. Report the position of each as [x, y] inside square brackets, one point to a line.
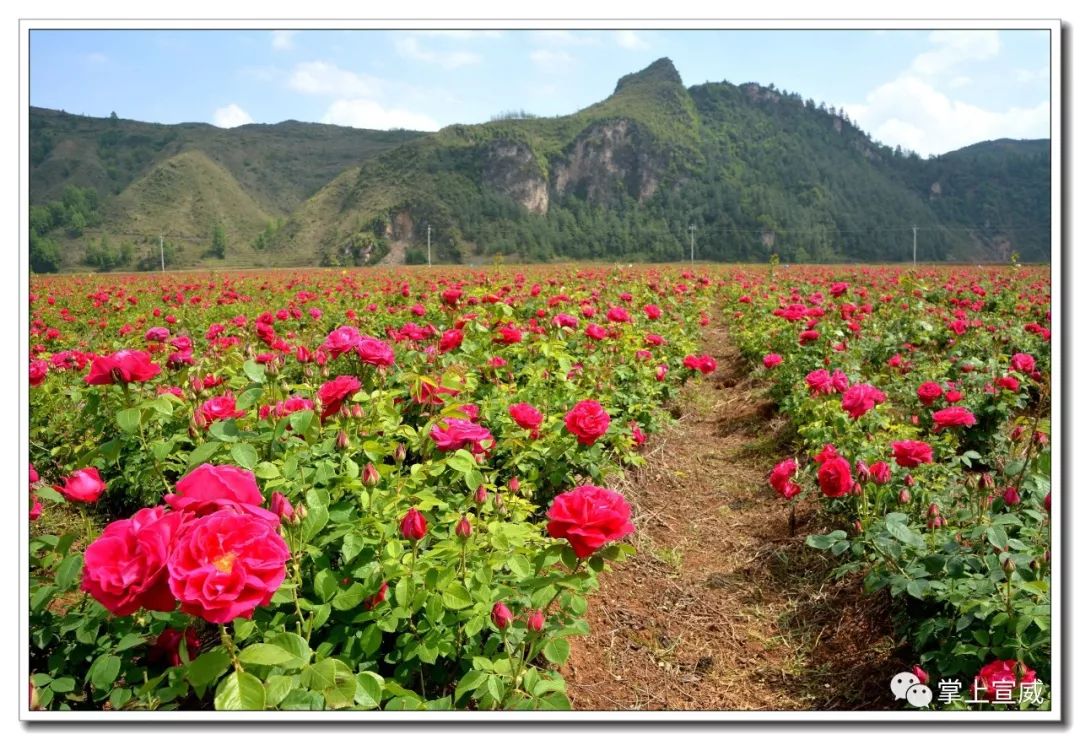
[161, 247]
[429, 245]
[693, 228]
[914, 245]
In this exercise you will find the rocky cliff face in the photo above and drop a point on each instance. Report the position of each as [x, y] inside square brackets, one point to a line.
[510, 167]
[608, 158]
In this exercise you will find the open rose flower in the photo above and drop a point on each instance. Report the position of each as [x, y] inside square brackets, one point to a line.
[454, 434]
[341, 340]
[587, 421]
[589, 517]
[953, 416]
[334, 393]
[771, 360]
[84, 486]
[910, 453]
[209, 488]
[372, 351]
[928, 393]
[125, 366]
[124, 568]
[998, 679]
[834, 477]
[526, 416]
[226, 564]
[217, 408]
[38, 370]
[861, 398]
[780, 479]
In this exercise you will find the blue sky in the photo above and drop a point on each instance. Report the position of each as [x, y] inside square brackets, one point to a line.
[930, 91]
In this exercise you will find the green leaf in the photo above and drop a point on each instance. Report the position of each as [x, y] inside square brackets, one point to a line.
[63, 685]
[277, 688]
[267, 470]
[368, 690]
[205, 669]
[895, 524]
[265, 654]
[255, 371]
[248, 398]
[296, 646]
[461, 461]
[557, 651]
[48, 493]
[240, 691]
[996, 536]
[129, 420]
[334, 679]
[244, 455]
[202, 453]
[103, 671]
[69, 571]
[129, 641]
[301, 420]
[326, 585]
[918, 588]
[456, 597]
[825, 541]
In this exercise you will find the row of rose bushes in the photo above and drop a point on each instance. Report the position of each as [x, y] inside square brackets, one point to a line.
[335, 490]
[921, 402]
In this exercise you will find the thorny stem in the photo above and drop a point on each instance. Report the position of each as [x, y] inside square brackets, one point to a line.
[228, 643]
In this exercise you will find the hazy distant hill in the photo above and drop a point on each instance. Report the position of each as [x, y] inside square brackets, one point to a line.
[755, 170]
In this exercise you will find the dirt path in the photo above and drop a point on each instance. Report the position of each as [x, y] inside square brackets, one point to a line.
[721, 608]
[396, 255]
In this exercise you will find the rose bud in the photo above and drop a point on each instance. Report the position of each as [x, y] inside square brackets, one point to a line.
[862, 471]
[857, 527]
[1036, 565]
[463, 528]
[909, 480]
[413, 525]
[922, 675]
[932, 511]
[370, 475]
[1041, 439]
[1010, 496]
[342, 440]
[501, 616]
[1008, 566]
[1046, 556]
[1046, 503]
[299, 513]
[985, 481]
[514, 485]
[281, 506]
[481, 495]
[400, 452]
[856, 490]
[535, 622]
[378, 597]
[936, 522]
[905, 496]
[1016, 434]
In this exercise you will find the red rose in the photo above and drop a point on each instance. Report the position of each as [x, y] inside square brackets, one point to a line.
[834, 477]
[1022, 362]
[910, 453]
[1000, 676]
[1008, 382]
[451, 339]
[209, 488]
[587, 421]
[589, 517]
[124, 568]
[780, 479]
[341, 340]
[653, 311]
[166, 649]
[334, 393]
[508, 335]
[953, 416]
[929, 392]
[501, 616]
[38, 370]
[861, 398]
[771, 360]
[216, 409]
[226, 564]
[526, 416]
[594, 331]
[83, 485]
[36, 508]
[535, 622]
[453, 434]
[880, 472]
[819, 382]
[374, 352]
[125, 366]
[413, 525]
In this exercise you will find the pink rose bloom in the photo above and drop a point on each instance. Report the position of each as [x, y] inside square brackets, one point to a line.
[84, 486]
[953, 416]
[589, 517]
[526, 416]
[217, 409]
[374, 352]
[209, 488]
[454, 434]
[587, 421]
[226, 564]
[861, 398]
[771, 360]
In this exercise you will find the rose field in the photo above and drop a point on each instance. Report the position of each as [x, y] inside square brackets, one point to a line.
[546, 487]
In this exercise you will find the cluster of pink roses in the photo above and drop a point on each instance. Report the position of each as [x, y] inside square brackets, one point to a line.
[214, 548]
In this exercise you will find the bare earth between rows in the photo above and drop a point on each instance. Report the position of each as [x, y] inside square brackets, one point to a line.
[722, 608]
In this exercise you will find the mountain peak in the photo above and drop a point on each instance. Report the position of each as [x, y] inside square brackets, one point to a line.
[662, 70]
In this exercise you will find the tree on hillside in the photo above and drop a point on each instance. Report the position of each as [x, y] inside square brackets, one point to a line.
[217, 243]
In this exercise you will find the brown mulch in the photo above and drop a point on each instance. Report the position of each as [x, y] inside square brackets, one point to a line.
[722, 608]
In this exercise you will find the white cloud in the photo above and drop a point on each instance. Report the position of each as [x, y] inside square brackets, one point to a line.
[410, 48]
[96, 57]
[323, 78]
[551, 60]
[630, 40]
[912, 113]
[282, 40]
[955, 47]
[361, 113]
[1027, 76]
[231, 115]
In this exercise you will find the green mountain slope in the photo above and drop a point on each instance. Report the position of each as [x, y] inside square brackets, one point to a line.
[755, 171]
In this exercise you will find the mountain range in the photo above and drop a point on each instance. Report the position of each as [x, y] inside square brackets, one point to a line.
[752, 170]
